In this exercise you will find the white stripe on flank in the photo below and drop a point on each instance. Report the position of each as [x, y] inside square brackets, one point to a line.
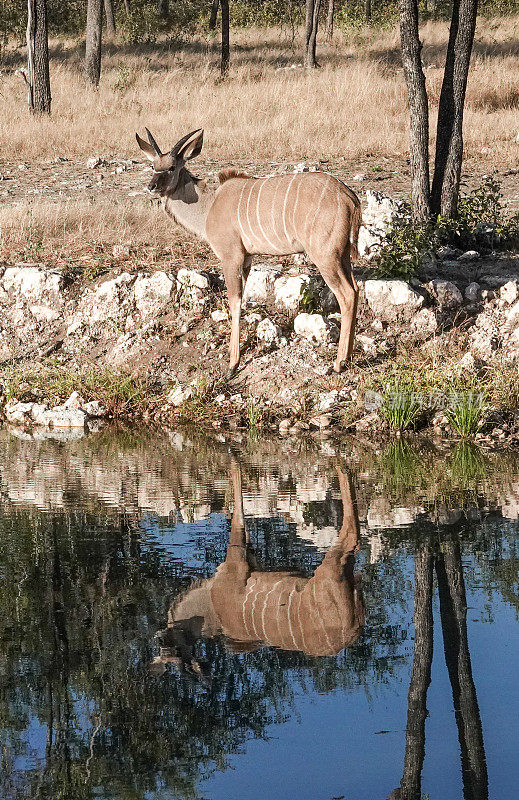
[295, 206]
[247, 593]
[244, 237]
[252, 610]
[259, 221]
[325, 187]
[320, 619]
[272, 210]
[285, 207]
[288, 617]
[248, 218]
[264, 607]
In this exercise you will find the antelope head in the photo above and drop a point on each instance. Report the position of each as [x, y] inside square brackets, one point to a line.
[168, 168]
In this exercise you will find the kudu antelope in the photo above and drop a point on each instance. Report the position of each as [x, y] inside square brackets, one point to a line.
[310, 212]
[319, 615]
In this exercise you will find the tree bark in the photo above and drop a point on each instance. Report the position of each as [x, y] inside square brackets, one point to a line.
[214, 13]
[38, 78]
[418, 109]
[163, 8]
[367, 10]
[329, 20]
[449, 135]
[453, 614]
[410, 788]
[93, 41]
[110, 19]
[127, 7]
[312, 23]
[224, 65]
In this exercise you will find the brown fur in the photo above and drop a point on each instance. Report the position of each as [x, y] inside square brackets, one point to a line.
[227, 174]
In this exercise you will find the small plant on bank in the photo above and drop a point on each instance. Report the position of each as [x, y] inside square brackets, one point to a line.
[401, 406]
[254, 414]
[482, 221]
[468, 411]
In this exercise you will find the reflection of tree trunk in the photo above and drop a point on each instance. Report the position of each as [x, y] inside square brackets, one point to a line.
[420, 676]
[453, 612]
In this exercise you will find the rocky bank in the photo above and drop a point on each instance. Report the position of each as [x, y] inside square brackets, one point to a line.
[171, 330]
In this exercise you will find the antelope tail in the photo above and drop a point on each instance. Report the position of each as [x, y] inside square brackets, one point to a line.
[356, 222]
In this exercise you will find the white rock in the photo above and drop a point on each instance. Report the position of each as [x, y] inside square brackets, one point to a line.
[327, 399]
[178, 395]
[469, 255]
[512, 317]
[370, 241]
[468, 364]
[32, 283]
[472, 292]
[381, 209]
[313, 327]
[509, 292]
[359, 177]
[218, 316]
[93, 162]
[260, 283]
[288, 290]
[268, 332]
[446, 293]
[388, 299]
[94, 409]
[424, 323]
[44, 313]
[74, 401]
[39, 414]
[190, 277]
[121, 251]
[152, 294]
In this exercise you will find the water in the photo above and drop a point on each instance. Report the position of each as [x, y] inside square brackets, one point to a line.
[99, 536]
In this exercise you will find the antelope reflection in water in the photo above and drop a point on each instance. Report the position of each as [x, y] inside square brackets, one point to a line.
[319, 616]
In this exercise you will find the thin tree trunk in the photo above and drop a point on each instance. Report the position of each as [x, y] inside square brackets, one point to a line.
[418, 108]
[38, 78]
[224, 65]
[453, 613]
[214, 13]
[449, 135]
[312, 23]
[410, 788]
[163, 8]
[110, 19]
[329, 20]
[367, 10]
[93, 41]
[127, 7]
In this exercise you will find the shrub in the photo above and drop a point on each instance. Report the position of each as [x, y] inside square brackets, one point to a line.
[401, 405]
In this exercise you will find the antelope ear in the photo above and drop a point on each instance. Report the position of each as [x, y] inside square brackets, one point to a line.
[192, 147]
[147, 148]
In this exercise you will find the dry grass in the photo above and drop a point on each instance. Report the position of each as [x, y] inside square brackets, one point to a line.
[353, 105]
[81, 234]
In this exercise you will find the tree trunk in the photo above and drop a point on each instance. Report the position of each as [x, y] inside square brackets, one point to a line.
[110, 19]
[449, 135]
[312, 23]
[367, 10]
[453, 614]
[38, 78]
[214, 14]
[224, 65]
[163, 8]
[127, 7]
[329, 20]
[418, 108]
[93, 41]
[410, 788]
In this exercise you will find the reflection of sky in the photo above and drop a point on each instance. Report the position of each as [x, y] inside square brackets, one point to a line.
[351, 741]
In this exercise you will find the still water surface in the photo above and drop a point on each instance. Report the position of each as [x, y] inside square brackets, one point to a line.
[255, 620]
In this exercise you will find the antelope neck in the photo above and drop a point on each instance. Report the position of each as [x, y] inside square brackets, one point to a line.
[189, 204]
